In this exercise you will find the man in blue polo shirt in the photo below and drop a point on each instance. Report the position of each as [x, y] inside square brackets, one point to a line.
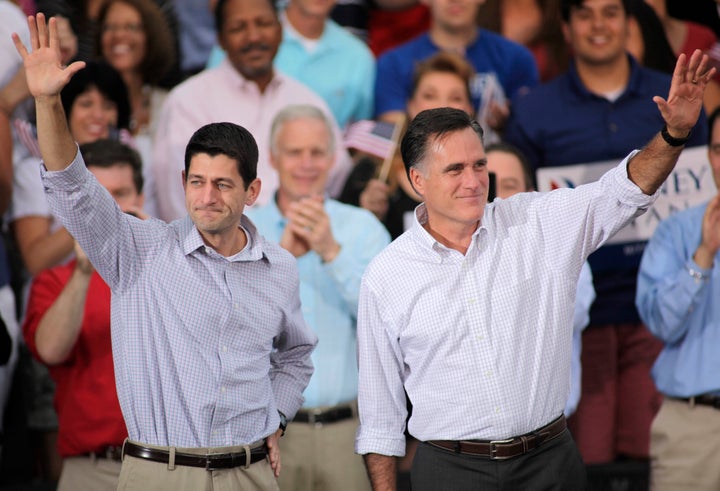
[600, 109]
[503, 67]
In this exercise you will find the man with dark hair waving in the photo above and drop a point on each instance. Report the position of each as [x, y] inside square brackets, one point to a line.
[210, 349]
[470, 311]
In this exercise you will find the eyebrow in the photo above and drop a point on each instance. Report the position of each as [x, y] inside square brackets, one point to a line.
[455, 165]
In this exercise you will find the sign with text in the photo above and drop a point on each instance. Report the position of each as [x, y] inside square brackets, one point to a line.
[689, 184]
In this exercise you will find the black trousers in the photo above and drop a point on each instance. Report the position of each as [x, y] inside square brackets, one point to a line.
[555, 466]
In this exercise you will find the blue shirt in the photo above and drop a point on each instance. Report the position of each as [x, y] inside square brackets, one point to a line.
[562, 123]
[684, 312]
[341, 70]
[206, 348]
[329, 294]
[512, 64]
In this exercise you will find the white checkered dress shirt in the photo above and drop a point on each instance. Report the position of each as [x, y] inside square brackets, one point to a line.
[206, 348]
[481, 342]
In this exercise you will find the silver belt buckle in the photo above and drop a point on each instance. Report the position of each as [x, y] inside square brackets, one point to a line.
[493, 448]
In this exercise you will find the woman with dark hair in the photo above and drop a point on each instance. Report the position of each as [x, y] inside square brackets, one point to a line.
[136, 40]
[647, 41]
[535, 24]
[96, 106]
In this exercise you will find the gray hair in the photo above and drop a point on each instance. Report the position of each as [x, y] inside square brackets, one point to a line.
[300, 111]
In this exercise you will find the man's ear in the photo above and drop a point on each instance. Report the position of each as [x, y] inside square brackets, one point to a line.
[417, 181]
[184, 182]
[253, 191]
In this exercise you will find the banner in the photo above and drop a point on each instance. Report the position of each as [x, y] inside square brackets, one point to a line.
[690, 184]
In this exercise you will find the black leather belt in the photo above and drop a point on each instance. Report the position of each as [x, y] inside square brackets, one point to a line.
[505, 449]
[209, 462]
[703, 400]
[332, 415]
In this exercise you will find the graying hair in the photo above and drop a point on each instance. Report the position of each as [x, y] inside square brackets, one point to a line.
[300, 111]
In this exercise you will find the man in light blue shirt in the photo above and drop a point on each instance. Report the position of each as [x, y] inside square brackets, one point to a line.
[678, 298]
[333, 243]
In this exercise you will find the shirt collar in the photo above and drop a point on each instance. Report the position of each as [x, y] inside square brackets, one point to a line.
[420, 217]
[236, 78]
[633, 86]
[191, 240]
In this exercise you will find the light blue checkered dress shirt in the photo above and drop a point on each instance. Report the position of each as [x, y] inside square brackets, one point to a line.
[206, 348]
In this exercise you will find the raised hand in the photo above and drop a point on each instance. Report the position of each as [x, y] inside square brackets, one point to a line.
[682, 107]
[46, 75]
[710, 243]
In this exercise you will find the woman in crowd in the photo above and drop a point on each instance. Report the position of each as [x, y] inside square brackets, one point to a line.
[136, 40]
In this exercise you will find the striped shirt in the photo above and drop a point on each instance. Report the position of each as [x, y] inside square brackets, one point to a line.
[481, 342]
[206, 348]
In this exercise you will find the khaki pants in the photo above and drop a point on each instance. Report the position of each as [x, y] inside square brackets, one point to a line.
[89, 474]
[142, 475]
[321, 458]
[685, 448]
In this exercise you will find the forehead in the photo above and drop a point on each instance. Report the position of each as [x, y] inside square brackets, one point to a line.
[441, 80]
[116, 175]
[598, 5]
[504, 163]
[303, 132]
[121, 8]
[246, 9]
[214, 167]
[461, 146]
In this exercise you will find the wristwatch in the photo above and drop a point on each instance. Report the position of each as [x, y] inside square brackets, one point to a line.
[283, 422]
[671, 140]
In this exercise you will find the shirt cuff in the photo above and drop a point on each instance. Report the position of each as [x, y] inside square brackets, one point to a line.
[67, 179]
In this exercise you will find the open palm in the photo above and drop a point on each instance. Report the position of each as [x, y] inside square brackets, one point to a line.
[46, 76]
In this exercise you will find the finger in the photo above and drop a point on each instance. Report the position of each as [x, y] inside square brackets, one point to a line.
[32, 27]
[19, 46]
[74, 68]
[679, 72]
[661, 104]
[52, 26]
[42, 31]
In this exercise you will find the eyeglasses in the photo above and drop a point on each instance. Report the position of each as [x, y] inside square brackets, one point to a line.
[133, 28]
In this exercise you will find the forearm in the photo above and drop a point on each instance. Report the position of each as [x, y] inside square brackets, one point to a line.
[57, 146]
[59, 328]
[45, 251]
[382, 471]
[14, 92]
[651, 166]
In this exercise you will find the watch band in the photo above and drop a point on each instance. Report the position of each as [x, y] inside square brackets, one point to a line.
[671, 140]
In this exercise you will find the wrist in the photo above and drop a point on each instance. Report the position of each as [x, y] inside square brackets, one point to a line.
[329, 254]
[674, 137]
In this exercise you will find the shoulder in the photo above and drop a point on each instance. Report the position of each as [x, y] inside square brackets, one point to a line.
[408, 52]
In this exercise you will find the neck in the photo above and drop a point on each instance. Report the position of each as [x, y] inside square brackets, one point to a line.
[676, 31]
[226, 243]
[453, 40]
[608, 77]
[282, 200]
[309, 26]
[457, 236]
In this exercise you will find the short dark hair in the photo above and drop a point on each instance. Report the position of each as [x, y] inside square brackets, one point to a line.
[711, 120]
[566, 7]
[220, 12]
[159, 44]
[528, 173]
[107, 153]
[227, 139]
[107, 80]
[432, 124]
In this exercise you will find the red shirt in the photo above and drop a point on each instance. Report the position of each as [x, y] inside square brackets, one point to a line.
[85, 398]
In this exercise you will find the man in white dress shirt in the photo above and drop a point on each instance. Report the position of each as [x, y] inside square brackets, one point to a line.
[470, 311]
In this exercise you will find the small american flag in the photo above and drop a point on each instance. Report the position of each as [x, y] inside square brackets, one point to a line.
[373, 137]
[26, 134]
